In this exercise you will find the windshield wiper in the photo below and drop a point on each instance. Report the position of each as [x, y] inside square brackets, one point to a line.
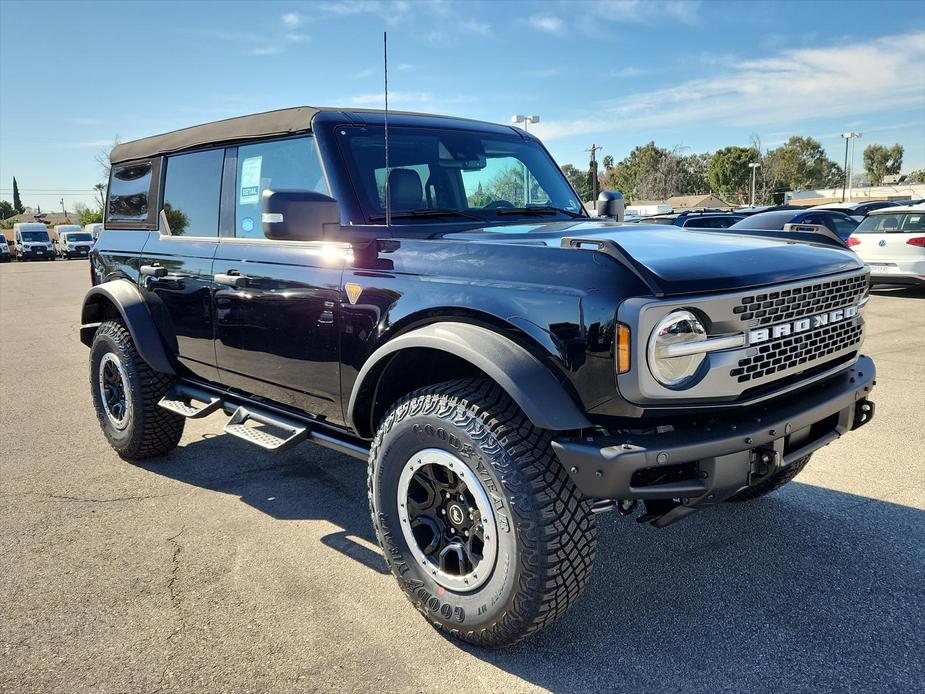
[537, 209]
[428, 212]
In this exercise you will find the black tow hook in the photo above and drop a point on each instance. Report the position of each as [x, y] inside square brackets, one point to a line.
[863, 413]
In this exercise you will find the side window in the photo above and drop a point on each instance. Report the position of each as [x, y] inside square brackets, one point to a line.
[279, 165]
[192, 193]
[843, 227]
[130, 187]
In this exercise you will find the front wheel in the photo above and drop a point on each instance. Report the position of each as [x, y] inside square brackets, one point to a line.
[485, 532]
[125, 393]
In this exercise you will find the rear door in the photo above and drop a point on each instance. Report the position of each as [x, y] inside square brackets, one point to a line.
[176, 264]
[277, 302]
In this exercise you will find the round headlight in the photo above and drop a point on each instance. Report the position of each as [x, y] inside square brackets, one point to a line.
[673, 355]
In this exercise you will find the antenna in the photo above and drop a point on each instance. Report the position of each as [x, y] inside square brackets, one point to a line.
[385, 120]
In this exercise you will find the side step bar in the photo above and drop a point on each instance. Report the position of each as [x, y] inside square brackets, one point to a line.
[285, 430]
[181, 403]
[237, 426]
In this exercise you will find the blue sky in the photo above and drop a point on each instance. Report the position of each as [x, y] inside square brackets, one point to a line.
[699, 75]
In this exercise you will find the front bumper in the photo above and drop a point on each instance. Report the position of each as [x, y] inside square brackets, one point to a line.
[32, 255]
[704, 466]
[85, 253]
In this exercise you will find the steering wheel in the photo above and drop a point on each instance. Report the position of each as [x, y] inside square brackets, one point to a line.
[498, 204]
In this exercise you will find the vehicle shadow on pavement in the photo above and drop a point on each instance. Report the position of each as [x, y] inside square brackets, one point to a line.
[808, 589]
[308, 482]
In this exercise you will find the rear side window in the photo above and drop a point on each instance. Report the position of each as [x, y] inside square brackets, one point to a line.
[892, 224]
[131, 194]
[291, 164]
[192, 193]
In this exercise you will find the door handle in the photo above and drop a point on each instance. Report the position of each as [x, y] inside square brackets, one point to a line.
[231, 279]
[153, 270]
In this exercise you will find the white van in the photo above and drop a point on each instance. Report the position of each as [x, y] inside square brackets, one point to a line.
[4, 250]
[94, 230]
[32, 241]
[72, 242]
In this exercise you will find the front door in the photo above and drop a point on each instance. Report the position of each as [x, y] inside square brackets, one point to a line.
[277, 302]
[176, 264]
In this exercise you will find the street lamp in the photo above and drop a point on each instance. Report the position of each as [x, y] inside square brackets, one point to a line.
[516, 119]
[754, 167]
[848, 137]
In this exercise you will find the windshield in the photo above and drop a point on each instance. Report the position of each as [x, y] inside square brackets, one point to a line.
[75, 238]
[34, 236]
[892, 223]
[765, 220]
[448, 175]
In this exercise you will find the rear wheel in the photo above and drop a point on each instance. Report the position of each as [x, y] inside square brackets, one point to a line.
[480, 524]
[775, 481]
[125, 393]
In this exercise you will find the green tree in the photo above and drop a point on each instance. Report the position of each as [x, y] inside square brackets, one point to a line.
[916, 177]
[636, 175]
[880, 161]
[6, 210]
[695, 173]
[87, 216]
[17, 202]
[579, 180]
[729, 173]
[176, 219]
[479, 198]
[799, 164]
[607, 161]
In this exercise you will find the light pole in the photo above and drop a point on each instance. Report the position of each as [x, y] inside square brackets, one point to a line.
[526, 120]
[754, 167]
[850, 135]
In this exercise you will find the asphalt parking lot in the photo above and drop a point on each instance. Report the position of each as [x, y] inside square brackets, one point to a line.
[221, 568]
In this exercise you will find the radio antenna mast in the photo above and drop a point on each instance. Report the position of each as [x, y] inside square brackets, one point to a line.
[385, 121]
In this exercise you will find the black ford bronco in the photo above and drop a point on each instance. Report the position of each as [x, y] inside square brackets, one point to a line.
[429, 294]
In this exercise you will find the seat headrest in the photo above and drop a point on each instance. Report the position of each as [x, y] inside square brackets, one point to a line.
[405, 189]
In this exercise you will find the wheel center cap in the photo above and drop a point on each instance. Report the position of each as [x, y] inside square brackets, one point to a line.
[456, 514]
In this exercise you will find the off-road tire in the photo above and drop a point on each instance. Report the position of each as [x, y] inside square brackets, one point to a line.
[547, 533]
[775, 481]
[151, 430]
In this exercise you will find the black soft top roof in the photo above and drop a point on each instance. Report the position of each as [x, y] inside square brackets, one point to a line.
[285, 121]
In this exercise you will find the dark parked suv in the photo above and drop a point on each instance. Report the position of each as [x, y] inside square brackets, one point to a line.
[446, 310]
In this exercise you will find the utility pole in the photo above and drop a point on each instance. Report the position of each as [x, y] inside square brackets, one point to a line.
[526, 120]
[754, 167]
[594, 149]
[62, 207]
[848, 136]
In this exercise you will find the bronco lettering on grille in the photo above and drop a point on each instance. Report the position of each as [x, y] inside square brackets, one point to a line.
[759, 335]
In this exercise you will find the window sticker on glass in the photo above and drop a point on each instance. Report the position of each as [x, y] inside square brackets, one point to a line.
[250, 181]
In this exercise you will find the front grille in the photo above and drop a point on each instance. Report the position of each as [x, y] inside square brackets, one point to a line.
[810, 299]
[786, 353]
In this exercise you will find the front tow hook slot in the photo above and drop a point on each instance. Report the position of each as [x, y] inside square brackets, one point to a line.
[863, 413]
[765, 461]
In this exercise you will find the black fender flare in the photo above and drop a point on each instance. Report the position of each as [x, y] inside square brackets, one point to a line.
[525, 378]
[128, 301]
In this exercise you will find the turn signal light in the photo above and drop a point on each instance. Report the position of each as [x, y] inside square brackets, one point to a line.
[623, 348]
[853, 241]
[918, 241]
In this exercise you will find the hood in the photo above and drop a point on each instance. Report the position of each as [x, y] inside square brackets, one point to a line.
[688, 261]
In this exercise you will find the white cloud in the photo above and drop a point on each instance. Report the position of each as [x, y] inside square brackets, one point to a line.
[402, 67]
[628, 72]
[292, 20]
[270, 49]
[548, 23]
[647, 11]
[363, 74]
[476, 27]
[400, 100]
[544, 72]
[792, 86]
[87, 144]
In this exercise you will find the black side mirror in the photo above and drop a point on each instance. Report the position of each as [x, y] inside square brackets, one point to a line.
[299, 215]
[610, 204]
